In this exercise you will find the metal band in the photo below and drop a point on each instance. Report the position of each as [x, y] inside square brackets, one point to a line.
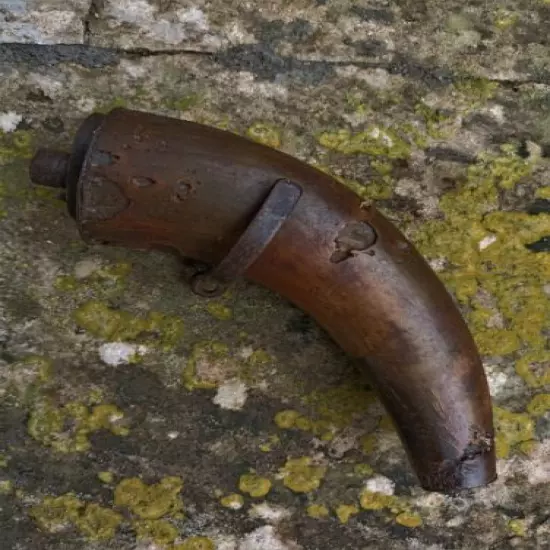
[272, 215]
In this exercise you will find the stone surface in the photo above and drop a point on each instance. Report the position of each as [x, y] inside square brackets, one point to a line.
[436, 111]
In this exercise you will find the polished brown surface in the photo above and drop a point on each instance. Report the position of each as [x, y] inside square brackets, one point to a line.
[150, 181]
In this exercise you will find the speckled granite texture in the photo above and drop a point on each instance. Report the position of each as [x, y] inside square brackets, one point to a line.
[135, 415]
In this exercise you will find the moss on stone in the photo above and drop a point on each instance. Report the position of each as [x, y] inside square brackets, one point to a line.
[116, 325]
[363, 470]
[6, 487]
[150, 502]
[317, 511]
[55, 514]
[543, 192]
[345, 511]
[233, 501]
[97, 523]
[196, 543]
[184, 103]
[408, 519]
[204, 354]
[511, 429]
[265, 133]
[517, 527]
[67, 428]
[300, 475]
[287, 419]
[376, 141]
[106, 477]
[24, 379]
[219, 311]
[372, 500]
[533, 368]
[158, 531]
[15, 145]
[341, 405]
[539, 405]
[254, 485]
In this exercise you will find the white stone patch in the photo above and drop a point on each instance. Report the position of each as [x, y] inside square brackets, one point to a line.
[119, 353]
[231, 395]
[497, 380]
[538, 466]
[248, 85]
[172, 435]
[487, 241]
[9, 121]
[265, 538]
[225, 542]
[193, 17]
[130, 11]
[86, 267]
[380, 484]
[497, 112]
[269, 513]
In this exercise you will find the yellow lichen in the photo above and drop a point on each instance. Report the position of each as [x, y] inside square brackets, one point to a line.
[539, 405]
[372, 500]
[341, 405]
[206, 359]
[116, 325]
[377, 141]
[533, 367]
[317, 511]
[95, 522]
[6, 487]
[67, 428]
[345, 511]
[196, 543]
[255, 485]
[363, 470]
[517, 527]
[265, 133]
[158, 531]
[408, 519]
[543, 192]
[98, 523]
[368, 443]
[106, 477]
[219, 311]
[150, 501]
[301, 475]
[233, 501]
[511, 429]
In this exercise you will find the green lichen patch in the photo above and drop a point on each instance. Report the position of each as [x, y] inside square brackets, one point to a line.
[68, 428]
[185, 102]
[15, 145]
[289, 419]
[487, 256]
[539, 405]
[254, 485]
[116, 325]
[533, 368]
[317, 511]
[265, 133]
[373, 500]
[98, 523]
[363, 470]
[517, 527]
[158, 531]
[301, 475]
[208, 364]
[376, 141]
[408, 519]
[196, 543]
[6, 487]
[341, 405]
[95, 522]
[24, 379]
[219, 311]
[106, 477]
[512, 429]
[150, 502]
[345, 511]
[233, 501]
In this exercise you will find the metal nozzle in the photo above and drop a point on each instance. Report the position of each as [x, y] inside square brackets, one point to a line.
[49, 168]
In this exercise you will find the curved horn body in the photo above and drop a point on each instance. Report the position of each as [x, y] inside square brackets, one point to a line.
[141, 180]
